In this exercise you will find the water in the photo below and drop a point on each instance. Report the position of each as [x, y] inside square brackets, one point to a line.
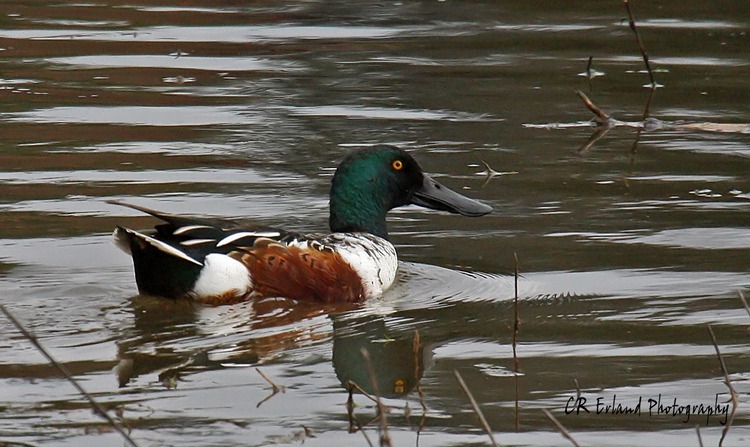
[243, 111]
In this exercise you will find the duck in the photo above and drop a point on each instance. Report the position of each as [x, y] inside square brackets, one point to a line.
[215, 262]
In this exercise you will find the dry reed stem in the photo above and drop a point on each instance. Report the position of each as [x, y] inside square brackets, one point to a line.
[646, 111]
[744, 301]
[416, 348]
[475, 406]
[516, 405]
[728, 383]
[516, 327]
[601, 117]
[385, 439]
[698, 432]
[578, 388]
[561, 428]
[516, 320]
[596, 136]
[276, 388]
[588, 72]
[98, 408]
[351, 386]
[631, 22]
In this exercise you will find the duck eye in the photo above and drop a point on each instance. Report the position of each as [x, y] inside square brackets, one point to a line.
[397, 165]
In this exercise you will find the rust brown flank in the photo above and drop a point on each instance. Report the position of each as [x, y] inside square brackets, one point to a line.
[301, 274]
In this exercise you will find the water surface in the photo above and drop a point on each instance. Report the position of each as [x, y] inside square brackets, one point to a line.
[242, 111]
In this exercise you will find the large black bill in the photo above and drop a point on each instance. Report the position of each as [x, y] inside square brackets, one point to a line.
[436, 196]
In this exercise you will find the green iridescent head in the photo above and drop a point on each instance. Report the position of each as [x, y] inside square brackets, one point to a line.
[370, 182]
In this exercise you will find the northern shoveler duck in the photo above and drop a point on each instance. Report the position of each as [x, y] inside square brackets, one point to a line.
[208, 261]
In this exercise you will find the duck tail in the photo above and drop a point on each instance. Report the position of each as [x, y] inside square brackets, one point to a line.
[130, 240]
[122, 240]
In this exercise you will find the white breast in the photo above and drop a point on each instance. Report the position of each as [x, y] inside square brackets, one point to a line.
[373, 258]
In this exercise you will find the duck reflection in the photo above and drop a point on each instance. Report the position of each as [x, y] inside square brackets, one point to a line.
[172, 338]
[146, 349]
[397, 361]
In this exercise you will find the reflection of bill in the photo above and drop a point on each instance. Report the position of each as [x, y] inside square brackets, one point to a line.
[397, 361]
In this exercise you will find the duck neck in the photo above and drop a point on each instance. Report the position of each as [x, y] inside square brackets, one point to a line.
[354, 210]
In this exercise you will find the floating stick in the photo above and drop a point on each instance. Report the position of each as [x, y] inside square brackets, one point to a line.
[516, 326]
[601, 117]
[98, 408]
[385, 439]
[475, 406]
[276, 388]
[631, 21]
[560, 427]
[728, 383]
[588, 72]
[744, 301]
[516, 320]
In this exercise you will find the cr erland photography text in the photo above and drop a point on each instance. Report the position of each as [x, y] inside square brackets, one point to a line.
[715, 410]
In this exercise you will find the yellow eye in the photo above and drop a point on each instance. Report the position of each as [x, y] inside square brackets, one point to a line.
[398, 165]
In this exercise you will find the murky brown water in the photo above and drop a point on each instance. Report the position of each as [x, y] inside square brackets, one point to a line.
[242, 109]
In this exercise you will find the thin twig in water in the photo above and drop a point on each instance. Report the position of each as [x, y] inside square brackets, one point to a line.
[560, 427]
[634, 147]
[646, 111]
[596, 136]
[698, 432]
[350, 405]
[417, 352]
[631, 21]
[491, 173]
[516, 320]
[578, 389]
[385, 439]
[744, 301]
[475, 406]
[276, 388]
[601, 117]
[364, 433]
[641, 127]
[516, 325]
[353, 421]
[98, 408]
[732, 392]
[588, 72]
[353, 385]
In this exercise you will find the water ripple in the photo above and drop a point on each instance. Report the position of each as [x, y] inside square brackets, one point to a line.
[359, 112]
[138, 115]
[213, 64]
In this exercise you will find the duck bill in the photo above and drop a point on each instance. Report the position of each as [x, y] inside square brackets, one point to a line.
[435, 196]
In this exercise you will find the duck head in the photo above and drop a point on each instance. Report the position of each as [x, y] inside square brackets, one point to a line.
[370, 182]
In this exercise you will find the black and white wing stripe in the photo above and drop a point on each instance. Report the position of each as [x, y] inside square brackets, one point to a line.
[193, 239]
